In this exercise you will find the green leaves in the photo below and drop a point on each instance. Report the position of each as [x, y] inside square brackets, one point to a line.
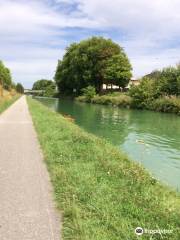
[19, 88]
[5, 76]
[86, 64]
[47, 86]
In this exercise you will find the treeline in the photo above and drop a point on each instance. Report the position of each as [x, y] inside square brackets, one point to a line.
[92, 62]
[5, 77]
[159, 90]
[46, 88]
[6, 80]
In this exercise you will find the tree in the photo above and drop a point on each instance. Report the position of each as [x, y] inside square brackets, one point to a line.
[5, 76]
[84, 64]
[167, 81]
[19, 88]
[118, 70]
[47, 86]
[89, 92]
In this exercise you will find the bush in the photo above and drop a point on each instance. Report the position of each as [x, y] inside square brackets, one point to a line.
[121, 100]
[167, 104]
[81, 99]
[89, 92]
[144, 94]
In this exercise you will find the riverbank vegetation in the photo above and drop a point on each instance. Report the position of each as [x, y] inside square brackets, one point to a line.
[115, 99]
[92, 63]
[158, 91]
[100, 192]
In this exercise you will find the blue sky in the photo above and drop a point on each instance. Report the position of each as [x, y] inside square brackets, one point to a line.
[34, 34]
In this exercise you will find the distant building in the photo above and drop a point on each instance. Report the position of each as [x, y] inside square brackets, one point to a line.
[132, 82]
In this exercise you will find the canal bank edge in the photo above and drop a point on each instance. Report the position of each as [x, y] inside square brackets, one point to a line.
[102, 193]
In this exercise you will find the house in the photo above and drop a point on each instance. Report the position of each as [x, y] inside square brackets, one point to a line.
[132, 82]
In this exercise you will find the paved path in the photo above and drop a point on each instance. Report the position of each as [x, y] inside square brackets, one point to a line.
[26, 200]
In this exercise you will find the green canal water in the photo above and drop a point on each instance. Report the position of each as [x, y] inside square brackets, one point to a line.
[151, 138]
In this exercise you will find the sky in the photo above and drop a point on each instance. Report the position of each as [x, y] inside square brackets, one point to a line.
[34, 34]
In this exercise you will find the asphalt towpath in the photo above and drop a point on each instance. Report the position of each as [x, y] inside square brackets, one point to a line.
[27, 210]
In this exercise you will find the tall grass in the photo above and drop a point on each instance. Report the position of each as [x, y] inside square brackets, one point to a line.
[101, 193]
[167, 104]
[120, 100]
[6, 101]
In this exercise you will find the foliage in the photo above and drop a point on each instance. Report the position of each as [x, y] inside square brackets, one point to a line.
[84, 64]
[118, 70]
[47, 86]
[143, 94]
[89, 92]
[167, 104]
[5, 76]
[5, 102]
[101, 193]
[120, 100]
[155, 87]
[19, 88]
[167, 81]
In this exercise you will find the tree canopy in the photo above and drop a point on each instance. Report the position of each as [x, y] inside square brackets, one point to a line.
[92, 62]
[47, 86]
[19, 88]
[5, 76]
[159, 83]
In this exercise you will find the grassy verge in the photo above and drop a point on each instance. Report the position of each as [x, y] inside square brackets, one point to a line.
[7, 101]
[101, 193]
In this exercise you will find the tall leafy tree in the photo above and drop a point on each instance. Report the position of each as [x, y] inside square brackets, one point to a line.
[42, 84]
[19, 88]
[5, 76]
[47, 86]
[118, 70]
[85, 64]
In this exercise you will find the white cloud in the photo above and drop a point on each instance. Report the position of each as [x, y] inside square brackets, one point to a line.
[33, 33]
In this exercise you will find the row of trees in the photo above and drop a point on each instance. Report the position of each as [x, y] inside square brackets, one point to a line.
[19, 88]
[6, 80]
[92, 62]
[5, 76]
[158, 84]
[47, 87]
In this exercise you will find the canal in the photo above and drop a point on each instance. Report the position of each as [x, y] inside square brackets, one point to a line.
[151, 138]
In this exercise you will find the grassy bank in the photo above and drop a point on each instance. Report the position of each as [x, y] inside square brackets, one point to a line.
[101, 193]
[5, 102]
[166, 104]
[118, 99]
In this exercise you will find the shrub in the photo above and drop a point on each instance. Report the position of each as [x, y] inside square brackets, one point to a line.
[121, 100]
[167, 104]
[81, 99]
[89, 92]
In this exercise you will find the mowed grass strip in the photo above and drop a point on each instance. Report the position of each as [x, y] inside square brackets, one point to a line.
[7, 102]
[101, 193]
